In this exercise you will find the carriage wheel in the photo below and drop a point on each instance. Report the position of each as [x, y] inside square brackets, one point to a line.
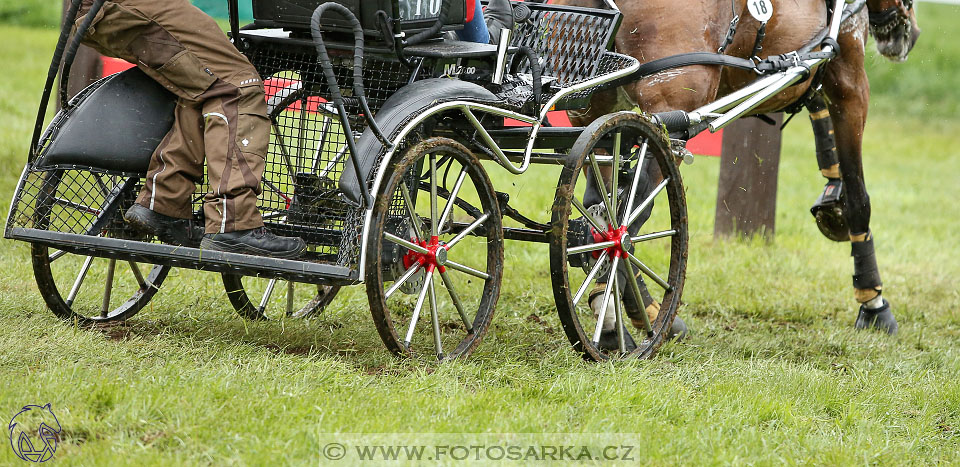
[97, 290]
[434, 254]
[274, 298]
[607, 245]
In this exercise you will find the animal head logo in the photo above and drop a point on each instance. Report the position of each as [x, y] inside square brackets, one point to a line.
[34, 433]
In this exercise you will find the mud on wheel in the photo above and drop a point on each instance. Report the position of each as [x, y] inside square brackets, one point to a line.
[88, 289]
[434, 252]
[618, 256]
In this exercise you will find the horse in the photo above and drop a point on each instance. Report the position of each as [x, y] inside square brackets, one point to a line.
[654, 29]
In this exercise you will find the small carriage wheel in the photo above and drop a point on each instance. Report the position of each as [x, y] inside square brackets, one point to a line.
[277, 297]
[56, 271]
[429, 261]
[273, 298]
[644, 245]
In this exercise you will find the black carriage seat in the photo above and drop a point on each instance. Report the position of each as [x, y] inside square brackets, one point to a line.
[571, 41]
[402, 107]
[114, 127]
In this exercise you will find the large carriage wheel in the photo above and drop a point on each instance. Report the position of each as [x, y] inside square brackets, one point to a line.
[608, 245]
[87, 289]
[434, 253]
[276, 297]
[259, 298]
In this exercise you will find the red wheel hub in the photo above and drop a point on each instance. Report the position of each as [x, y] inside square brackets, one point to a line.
[435, 259]
[621, 241]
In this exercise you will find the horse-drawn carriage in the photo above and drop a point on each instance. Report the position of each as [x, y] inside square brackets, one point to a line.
[383, 136]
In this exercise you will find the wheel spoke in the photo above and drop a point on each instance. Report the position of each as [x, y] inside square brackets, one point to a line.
[606, 300]
[79, 281]
[408, 245]
[618, 306]
[638, 296]
[455, 298]
[598, 179]
[290, 293]
[650, 273]
[135, 269]
[435, 320]
[590, 247]
[108, 288]
[636, 179]
[266, 295]
[417, 309]
[615, 176]
[399, 282]
[56, 255]
[589, 279]
[414, 218]
[470, 228]
[653, 236]
[656, 191]
[586, 215]
[467, 270]
[453, 196]
[433, 195]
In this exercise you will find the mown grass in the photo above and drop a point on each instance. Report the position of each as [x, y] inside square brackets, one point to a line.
[773, 373]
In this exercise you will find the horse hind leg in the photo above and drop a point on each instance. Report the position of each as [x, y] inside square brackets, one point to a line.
[828, 208]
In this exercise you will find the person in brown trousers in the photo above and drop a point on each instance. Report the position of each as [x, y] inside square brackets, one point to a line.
[221, 116]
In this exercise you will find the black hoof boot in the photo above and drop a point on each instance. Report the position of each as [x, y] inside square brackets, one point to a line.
[610, 343]
[828, 211]
[259, 242]
[170, 230]
[881, 319]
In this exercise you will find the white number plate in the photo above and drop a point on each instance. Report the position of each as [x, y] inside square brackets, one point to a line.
[762, 10]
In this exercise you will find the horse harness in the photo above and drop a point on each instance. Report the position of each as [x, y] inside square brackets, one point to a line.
[769, 65]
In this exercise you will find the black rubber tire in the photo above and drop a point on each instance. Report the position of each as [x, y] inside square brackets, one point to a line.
[632, 125]
[385, 318]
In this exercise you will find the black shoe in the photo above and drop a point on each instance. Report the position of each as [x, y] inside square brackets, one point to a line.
[880, 318]
[609, 342]
[172, 230]
[259, 242]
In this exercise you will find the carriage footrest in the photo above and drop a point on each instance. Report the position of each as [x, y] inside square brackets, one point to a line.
[191, 258]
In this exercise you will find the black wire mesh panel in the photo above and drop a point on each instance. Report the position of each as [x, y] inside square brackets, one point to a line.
[570, 41]
[76, 201]
[308, 147]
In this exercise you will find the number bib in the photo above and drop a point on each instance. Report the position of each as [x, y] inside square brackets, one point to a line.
[761, 10]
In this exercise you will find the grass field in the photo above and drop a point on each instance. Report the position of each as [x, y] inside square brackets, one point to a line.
[773, 373]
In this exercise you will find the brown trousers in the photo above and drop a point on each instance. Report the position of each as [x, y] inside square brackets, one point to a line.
[221, 115]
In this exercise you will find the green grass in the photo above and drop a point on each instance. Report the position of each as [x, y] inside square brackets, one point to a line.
[773, 373]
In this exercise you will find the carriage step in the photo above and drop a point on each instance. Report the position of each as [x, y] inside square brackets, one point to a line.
[190, 258]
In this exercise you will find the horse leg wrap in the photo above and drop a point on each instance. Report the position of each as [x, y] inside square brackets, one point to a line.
[866, 275]
[823, 134]
[595, 299]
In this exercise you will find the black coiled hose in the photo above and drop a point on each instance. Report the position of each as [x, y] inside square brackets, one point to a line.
[334, 88]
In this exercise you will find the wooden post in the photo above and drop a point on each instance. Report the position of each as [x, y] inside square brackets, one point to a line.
[749, 164]
[86, 68]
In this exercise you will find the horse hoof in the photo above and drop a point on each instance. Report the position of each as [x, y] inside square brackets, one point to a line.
[828, 212]
[609, 342]
[881, 319]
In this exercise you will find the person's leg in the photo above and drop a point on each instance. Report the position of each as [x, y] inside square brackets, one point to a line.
[476, 29]
[186, 51]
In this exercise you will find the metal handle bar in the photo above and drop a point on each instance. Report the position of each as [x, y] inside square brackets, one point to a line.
[68, 20]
